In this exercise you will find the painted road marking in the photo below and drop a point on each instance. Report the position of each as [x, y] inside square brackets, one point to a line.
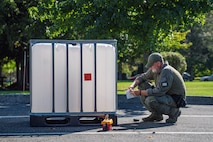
[15, 116]
[107, 133]
[142, 132]
[198, 116]
[27, 116]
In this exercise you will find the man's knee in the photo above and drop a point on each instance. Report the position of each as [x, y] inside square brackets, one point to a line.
[151, 101]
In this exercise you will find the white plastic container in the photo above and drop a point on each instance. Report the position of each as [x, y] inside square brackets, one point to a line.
[73, 77]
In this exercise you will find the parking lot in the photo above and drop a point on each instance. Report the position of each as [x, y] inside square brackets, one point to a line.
[195, 124]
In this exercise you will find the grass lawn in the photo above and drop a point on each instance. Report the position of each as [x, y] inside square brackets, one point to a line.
[194, 88]
[199, 88]
[14, 92]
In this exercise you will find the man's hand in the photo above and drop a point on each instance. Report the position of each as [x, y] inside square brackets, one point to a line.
[135, 92]
[131, 88]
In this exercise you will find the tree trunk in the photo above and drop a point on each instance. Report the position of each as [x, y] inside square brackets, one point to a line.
[120, 71]
[1, 69]
[18, 75]
[145, 58]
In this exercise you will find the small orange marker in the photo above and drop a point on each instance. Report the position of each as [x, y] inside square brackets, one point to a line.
[107, 123]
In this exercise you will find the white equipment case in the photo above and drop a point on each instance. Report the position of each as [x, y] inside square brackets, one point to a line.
[72, 82]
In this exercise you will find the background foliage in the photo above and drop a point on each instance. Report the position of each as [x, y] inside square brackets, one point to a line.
[140, 27]
[176, 60]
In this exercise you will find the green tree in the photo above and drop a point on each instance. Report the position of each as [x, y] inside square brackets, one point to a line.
[147, 23]
[207, 37]
[199, 54]
[16, 29]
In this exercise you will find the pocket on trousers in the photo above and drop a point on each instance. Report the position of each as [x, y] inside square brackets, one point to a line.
[178, 99]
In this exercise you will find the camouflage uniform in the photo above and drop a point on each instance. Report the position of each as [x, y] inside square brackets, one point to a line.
[159, 100]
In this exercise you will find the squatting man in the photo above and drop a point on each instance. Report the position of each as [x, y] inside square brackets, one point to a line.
[168, 94]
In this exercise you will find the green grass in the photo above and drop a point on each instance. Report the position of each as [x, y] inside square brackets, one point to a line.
[122, 86]
[199, 88]
[194, 88]
[13, 92]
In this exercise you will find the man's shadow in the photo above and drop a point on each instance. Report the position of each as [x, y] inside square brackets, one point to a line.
[142, 125]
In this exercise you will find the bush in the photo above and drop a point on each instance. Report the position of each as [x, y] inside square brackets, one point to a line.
[176, 60]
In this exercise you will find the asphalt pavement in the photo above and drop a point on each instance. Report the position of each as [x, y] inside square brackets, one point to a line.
[195, 124]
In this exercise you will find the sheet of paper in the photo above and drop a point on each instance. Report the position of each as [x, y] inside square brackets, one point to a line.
[129, 95]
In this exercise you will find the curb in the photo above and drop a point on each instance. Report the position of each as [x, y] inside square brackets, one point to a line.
[191, 100]
[25, 99]
[15, 99]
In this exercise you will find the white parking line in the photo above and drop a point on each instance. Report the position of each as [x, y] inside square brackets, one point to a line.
[33, 134]
[27, 116]
[15, 116]
[107, 133]
[142, 132]
[201, 116]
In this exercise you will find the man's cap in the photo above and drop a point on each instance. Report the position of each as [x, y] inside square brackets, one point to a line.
[154, 57]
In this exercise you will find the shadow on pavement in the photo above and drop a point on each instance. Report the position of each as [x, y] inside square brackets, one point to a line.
[145, 125]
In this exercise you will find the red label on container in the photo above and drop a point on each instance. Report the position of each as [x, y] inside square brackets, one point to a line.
[87, 76]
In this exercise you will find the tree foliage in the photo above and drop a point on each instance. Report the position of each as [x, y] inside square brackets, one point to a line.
[16, 29]
[141, 27]
[176, 60]
[146, 22]
[199, 55]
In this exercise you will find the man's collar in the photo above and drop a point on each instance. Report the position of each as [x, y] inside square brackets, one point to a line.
[163, 66]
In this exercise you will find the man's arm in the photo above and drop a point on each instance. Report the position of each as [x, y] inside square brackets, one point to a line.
[139, 92]
[134, 84]
[141, 78]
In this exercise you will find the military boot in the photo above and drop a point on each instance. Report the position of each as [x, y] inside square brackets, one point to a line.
[173, 116]
[153, 117]
[173, 113]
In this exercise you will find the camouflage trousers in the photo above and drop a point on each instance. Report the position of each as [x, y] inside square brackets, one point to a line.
[163, 104]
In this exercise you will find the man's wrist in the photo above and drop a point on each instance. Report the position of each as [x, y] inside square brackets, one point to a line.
[144, 92]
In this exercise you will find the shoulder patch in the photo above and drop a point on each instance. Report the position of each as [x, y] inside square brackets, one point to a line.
[164, 84]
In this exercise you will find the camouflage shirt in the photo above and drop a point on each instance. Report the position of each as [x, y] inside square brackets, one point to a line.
[168, 81]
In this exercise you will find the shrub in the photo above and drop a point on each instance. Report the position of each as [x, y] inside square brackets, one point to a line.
[176, 60]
